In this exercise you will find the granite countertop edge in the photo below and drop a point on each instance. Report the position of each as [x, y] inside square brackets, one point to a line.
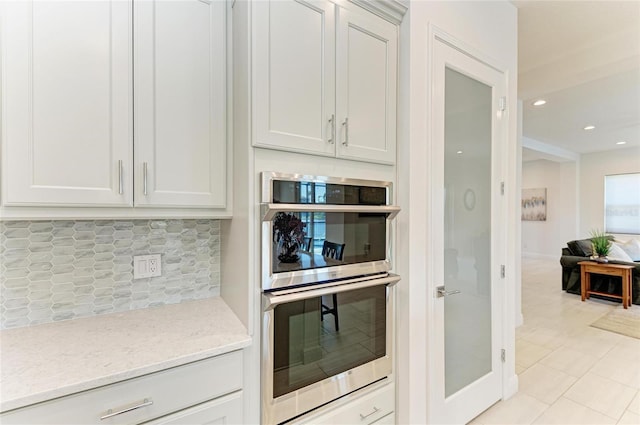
[210, 329]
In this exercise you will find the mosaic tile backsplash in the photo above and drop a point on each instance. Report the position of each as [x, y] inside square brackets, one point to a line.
[58, 270]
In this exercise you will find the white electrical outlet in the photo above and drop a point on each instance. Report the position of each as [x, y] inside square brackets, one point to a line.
[146, 266]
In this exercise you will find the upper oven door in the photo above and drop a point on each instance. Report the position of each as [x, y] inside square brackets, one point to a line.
[318, 229]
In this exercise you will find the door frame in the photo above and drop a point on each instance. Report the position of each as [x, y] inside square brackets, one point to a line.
[435, 166]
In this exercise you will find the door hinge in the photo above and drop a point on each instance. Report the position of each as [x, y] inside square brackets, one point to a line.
[501, 188]
[502, 271]
[503, 355]
[502, 104]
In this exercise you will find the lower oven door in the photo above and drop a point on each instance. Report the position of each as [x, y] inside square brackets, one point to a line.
[320, 344]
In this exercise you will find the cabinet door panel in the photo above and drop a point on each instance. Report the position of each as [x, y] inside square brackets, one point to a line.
[180, 103]
[366, 85]
[66, 101]
[294, 75]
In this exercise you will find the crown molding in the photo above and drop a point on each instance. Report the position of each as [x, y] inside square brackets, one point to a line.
[391, 10]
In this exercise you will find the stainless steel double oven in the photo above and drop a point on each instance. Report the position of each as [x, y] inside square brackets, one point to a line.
[328, 296]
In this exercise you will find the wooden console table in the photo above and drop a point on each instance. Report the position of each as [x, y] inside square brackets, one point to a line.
[620, 270]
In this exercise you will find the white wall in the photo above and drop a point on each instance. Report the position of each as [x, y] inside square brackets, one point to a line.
[547, 238]
[489, 28]
[593, 168]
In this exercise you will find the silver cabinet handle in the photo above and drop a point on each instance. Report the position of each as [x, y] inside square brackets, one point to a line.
[144, 178]
[120, 184]
[375, 410]
[345, 124]
[137, 405]
[332, 121]
[441, 292]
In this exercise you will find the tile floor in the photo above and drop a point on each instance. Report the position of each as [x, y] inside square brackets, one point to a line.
[569, 373]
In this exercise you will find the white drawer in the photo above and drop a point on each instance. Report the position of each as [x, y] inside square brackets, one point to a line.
[363, 407]
[170, 390]
[390, 419]
[222, 410]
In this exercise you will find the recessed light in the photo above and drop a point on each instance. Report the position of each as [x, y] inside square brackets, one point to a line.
[621, 142]
[590, 127]
[459, 152]
[539, 102]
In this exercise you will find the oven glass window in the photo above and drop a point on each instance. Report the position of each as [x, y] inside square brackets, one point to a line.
[323, 239]
[317, 338]
[299, 192]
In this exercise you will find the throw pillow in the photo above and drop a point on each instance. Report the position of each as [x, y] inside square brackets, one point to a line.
[632, 248]
[581, 247]
[617, 253]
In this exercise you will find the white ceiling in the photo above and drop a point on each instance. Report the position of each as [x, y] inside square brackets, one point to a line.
[583, 57]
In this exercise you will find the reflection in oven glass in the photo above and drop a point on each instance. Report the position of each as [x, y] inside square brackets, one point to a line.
[315, 339]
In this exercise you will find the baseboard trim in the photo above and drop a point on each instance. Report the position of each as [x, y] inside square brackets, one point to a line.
[511, 387]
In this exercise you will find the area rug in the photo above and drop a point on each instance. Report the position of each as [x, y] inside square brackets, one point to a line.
[621, 321]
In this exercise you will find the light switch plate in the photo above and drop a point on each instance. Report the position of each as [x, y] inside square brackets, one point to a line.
[147, 266]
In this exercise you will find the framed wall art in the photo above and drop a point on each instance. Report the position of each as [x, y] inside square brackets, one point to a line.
[534, 204]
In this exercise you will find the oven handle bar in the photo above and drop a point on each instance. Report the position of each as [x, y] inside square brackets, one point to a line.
[270, 301]
[268, 211]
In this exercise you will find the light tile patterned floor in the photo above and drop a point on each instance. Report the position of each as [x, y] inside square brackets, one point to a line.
[569, 372]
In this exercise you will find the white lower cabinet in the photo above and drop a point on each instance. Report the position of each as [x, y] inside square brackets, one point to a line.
[223, 410]
[204, 392]
[368, 406]
[390, 419]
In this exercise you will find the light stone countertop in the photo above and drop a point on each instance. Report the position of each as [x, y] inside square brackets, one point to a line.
[46, 361]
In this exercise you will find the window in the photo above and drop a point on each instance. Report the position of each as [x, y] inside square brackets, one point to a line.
[622, 203]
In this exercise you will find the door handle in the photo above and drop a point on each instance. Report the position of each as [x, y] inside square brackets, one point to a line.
[442, 292]
[332, 121]
[120, 183]
[144, 178]
[345, 124]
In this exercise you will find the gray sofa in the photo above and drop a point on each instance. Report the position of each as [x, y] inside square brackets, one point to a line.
[580, 250]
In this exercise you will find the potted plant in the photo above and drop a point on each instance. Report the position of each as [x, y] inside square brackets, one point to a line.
[288, 233]
[601, 245]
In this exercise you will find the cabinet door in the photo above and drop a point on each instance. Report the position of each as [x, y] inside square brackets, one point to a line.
[66, 103]
[294, 69]
[180, 107]
[366, 79]
[223, 410]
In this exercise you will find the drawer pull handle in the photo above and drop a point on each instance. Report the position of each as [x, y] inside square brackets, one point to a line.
[144, 403]
[375, 410]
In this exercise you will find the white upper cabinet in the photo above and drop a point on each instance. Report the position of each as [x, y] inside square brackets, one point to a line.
[180, 103]
[294, 103]
[115, 103]
[325, 80]
[367, 61]
[67, 103]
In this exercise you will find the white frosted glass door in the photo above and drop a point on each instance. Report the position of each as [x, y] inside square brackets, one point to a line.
[468, 129]
[467, 230]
